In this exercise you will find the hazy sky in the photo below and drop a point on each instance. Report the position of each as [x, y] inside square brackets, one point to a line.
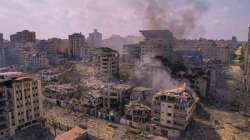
[58, 18]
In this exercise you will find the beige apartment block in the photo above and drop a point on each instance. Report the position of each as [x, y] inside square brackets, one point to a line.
[107, 62]
[174, 108]
[20, 102]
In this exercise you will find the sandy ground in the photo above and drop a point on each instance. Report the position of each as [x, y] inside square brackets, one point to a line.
[221, 123]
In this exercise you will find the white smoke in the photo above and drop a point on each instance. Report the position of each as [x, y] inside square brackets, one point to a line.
[151, 73]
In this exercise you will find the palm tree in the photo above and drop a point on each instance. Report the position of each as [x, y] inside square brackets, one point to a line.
[55, 126]
[42, 121]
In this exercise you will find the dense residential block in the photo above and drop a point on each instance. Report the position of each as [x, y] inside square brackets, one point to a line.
[23, 37]
[20, 102]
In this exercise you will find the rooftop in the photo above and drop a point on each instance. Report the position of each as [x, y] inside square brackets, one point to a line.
[179, 93]
[105, 49]
[138, 106]
[156, 33]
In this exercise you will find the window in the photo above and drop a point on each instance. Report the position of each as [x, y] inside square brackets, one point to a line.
[169, 114]
[168, 121]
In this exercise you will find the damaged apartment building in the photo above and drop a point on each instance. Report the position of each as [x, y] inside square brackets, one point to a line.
[172, 111]
[20, 102]
[136, 115]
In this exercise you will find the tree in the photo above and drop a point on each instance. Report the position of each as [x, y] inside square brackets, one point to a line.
[42, 121]
[55, 126]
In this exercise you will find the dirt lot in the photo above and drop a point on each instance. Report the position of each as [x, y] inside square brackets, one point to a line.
[215, 119]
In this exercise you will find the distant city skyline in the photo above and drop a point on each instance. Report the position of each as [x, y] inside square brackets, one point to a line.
[59, 18]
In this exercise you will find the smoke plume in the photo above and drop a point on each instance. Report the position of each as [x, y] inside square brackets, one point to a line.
[179, 16]
[152, 73]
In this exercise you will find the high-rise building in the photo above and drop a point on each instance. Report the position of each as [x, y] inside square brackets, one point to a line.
[78, 46]
[1, 39]
[131, 53]
[95, 39]
[23, 37]
[246, 77]
[2, 52]
[107, 62]
[157, 43]
[2, 57]
[20, 102]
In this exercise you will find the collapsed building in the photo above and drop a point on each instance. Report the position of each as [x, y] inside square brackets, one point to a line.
[172, 111]
[61, 93]
[136, 115]
[91, 102]
[48, 76]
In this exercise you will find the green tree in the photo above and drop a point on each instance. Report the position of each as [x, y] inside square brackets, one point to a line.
[55, 126]
[42, 121]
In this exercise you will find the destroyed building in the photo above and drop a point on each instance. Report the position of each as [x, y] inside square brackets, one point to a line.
[115, 95]
[91, 102]
[136, 115]
[61, 92]
[173, 109]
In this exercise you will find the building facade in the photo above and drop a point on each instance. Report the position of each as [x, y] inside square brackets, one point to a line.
[2, 52]
[209, 49]
[21, 105]
[107, 63]
[78, 46]
[246, 76]
[131, 53]
[136, 115]
[157, 43]
[95, 39]
[1, 39]
[36, 61]
[23, 37]
[173, 109]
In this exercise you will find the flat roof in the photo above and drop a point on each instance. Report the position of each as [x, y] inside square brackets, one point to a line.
[156, 33]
